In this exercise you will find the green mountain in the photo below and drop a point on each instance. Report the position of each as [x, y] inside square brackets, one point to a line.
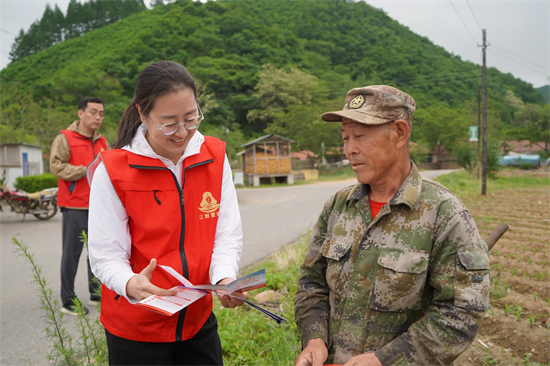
[545, 91]
[225, 44]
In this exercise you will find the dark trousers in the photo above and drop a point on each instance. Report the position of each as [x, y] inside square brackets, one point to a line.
[203, 349]
[73, 223]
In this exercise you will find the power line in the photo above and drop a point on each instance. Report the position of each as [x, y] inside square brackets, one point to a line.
[5, 31]
[519, 63]
[465, 26]
[502, 49]
[468, 1]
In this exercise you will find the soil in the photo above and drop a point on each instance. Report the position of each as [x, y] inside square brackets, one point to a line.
[516, 331]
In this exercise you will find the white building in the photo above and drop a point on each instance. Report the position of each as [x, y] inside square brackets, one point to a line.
[19, 160]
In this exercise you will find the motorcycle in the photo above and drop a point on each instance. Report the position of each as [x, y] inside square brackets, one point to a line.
[43, 204]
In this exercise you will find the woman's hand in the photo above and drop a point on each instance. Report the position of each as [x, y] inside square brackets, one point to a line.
[231, 302]
[140, 287]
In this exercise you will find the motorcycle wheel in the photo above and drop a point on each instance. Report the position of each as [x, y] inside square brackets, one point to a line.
[52, 210]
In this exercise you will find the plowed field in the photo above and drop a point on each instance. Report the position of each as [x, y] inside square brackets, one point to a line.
[516, 331]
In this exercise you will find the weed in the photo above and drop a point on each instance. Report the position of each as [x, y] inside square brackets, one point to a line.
[499, 288]
[489, 361]
[91, 348]
[513, 272]
[535, 296]
[518, 312]
[508, 309]
[532, 319]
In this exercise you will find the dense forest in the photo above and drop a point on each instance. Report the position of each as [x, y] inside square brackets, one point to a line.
[262, 66]
[54, 27]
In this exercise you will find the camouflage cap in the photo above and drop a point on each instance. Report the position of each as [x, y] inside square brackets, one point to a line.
[375, 105]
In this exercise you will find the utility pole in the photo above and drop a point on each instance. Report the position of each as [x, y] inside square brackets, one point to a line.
[484, 143]
[226, 131]
[478, 131]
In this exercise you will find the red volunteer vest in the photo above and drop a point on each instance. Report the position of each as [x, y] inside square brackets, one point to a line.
[83, 152]
[174, 225]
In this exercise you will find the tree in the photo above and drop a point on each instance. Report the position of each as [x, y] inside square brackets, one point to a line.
[277, 90]
[512, 101]
[303, 124]
[530, 122]
[54, 28]
[438, 126]
[534, 126]
[291, 105]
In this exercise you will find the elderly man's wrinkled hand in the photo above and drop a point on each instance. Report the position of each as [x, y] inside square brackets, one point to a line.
[314, 354]
[366, 359]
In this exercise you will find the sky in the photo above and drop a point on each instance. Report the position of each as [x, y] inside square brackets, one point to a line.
[517, 31]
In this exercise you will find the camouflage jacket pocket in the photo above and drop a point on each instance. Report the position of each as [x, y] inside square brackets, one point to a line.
[335, 249]
[472, 280]
[400, 280]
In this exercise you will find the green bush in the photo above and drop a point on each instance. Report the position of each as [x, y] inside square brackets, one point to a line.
[493, 153]
[466, 156]
[36, 183]
[525, 166]
[543, 154]
[418, 153]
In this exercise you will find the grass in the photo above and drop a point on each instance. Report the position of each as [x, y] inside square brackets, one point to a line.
[461, 183]
[250, 338]
[342, 174]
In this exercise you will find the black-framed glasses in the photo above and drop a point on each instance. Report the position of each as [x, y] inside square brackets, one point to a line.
[94, 113]
[192, 123]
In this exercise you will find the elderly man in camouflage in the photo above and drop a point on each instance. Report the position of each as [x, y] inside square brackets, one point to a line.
[396, 272]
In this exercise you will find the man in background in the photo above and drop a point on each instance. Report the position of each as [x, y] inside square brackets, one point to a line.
[396, 272]
[71, 152]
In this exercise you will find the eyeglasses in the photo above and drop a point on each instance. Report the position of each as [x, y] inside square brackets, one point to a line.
[192, 123]
[95, 112]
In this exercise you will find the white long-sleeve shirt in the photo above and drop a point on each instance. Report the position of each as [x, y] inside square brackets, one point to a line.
[109, 238]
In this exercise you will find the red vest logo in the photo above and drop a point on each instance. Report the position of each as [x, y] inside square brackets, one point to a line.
[208, 205]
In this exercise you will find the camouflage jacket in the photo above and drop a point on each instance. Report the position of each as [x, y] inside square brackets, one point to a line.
[410, 285]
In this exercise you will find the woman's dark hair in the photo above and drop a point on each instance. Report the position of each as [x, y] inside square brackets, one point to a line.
[158, 79]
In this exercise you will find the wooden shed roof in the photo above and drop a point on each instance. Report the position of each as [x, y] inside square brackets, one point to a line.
[268, 139]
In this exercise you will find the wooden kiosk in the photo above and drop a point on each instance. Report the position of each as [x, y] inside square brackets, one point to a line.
[268, 158]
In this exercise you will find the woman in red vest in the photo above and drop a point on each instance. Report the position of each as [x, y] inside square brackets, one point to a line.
[164, 194]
